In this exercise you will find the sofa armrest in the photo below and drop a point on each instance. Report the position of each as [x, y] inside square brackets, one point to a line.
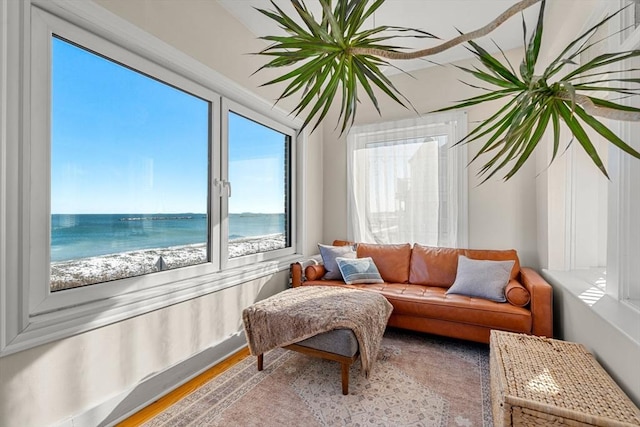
[297, 271]
[541, 302]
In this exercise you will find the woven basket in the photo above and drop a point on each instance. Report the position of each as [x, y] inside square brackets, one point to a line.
[538, 381]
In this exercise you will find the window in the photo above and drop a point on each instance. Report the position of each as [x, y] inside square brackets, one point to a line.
[407, 183]
[117, 163]
[623, 244]
[120, 165]
[597, 240]
[259, 163]
[123, 202]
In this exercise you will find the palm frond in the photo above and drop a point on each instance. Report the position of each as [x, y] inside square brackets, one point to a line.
[336, 56]
[323, 59]
[514, 132]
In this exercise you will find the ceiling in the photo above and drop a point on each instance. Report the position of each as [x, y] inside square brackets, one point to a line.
[439, 17]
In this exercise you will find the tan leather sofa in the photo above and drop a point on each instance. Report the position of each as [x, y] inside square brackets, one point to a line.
[417, 278]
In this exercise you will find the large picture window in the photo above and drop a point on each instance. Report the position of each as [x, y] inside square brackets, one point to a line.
[118, 163]
[129, 172]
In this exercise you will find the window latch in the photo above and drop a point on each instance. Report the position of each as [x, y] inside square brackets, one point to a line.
[221, 185]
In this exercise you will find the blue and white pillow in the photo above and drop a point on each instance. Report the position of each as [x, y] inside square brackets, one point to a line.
[358, 270]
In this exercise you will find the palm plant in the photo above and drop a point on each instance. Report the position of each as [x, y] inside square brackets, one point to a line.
[336, 56]
[328, 53]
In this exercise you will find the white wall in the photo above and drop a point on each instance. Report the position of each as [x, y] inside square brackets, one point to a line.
[46, 384]
[65, 379]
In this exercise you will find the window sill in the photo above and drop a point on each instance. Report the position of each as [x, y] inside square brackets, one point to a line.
[588, 286]
[77, 319]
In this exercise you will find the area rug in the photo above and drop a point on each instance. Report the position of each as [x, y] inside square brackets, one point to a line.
[417, 380]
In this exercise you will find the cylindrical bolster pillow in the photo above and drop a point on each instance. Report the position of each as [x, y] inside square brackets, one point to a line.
[517, 294]
[314, 272]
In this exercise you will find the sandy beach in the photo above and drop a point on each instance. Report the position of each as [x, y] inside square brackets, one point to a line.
[88, 271]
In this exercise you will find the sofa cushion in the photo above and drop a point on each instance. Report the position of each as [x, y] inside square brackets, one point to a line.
[496, 255]
[329, 255]
[358, 270]
[392, 260]
[517, 294]
[433, 303]
[482, 278]
[435, 266]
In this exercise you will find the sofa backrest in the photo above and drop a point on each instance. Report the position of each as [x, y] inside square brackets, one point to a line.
[425, 265]
[434, 266]
[392, 261]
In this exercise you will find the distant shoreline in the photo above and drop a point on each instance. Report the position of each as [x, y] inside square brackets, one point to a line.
[104, 268]
[163, 218]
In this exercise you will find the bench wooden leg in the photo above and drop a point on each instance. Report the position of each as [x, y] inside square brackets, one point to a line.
[345, 378]
[260, 362]
[345, 361]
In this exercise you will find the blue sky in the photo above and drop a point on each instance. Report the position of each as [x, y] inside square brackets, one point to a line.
[256, 167]
[125, 143]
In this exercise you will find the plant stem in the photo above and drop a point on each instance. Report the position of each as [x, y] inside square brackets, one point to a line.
[462, 38]
[594, 110]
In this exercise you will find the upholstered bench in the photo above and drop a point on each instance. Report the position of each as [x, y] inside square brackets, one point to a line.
[339, 345]
[333, 323]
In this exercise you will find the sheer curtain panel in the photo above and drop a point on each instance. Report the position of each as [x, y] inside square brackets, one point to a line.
[407, 181]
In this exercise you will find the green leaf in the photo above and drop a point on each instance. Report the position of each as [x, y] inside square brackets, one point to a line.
[554, 66]
[311, 23]
[532, 143]
[606, 132]
[494, 65]
[335, 28]
[488, 78]
[360, 74]
[478, 100]
[494, 142]
[580, 135]
[612, 105]
[601, 61]
[480, 130]
[555, 119]
[533, 48]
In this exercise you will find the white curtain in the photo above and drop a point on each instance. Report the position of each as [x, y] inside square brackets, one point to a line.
[407, 183]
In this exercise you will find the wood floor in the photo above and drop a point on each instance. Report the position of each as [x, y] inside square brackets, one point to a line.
[166, 401]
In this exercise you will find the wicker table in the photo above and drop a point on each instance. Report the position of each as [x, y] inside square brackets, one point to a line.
[539, 381]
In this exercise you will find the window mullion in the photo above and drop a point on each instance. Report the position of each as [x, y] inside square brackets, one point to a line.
[220, 190]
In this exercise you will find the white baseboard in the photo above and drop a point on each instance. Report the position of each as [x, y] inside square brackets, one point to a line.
[127, 403]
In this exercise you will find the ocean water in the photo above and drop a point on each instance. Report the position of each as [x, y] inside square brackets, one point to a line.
[86, 235]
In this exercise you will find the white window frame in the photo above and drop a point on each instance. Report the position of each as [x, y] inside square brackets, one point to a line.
[30, 314]
[227, 106]
[454, 124]
[623, 282]
[36, 267]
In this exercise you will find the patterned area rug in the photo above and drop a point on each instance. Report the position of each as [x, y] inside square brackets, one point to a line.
[417, 380]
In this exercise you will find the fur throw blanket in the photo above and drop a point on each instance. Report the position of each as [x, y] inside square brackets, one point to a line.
[300, 313]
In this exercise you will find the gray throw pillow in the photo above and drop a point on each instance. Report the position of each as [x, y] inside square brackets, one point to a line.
[329, 255]
[482, 278]
[359, 270]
